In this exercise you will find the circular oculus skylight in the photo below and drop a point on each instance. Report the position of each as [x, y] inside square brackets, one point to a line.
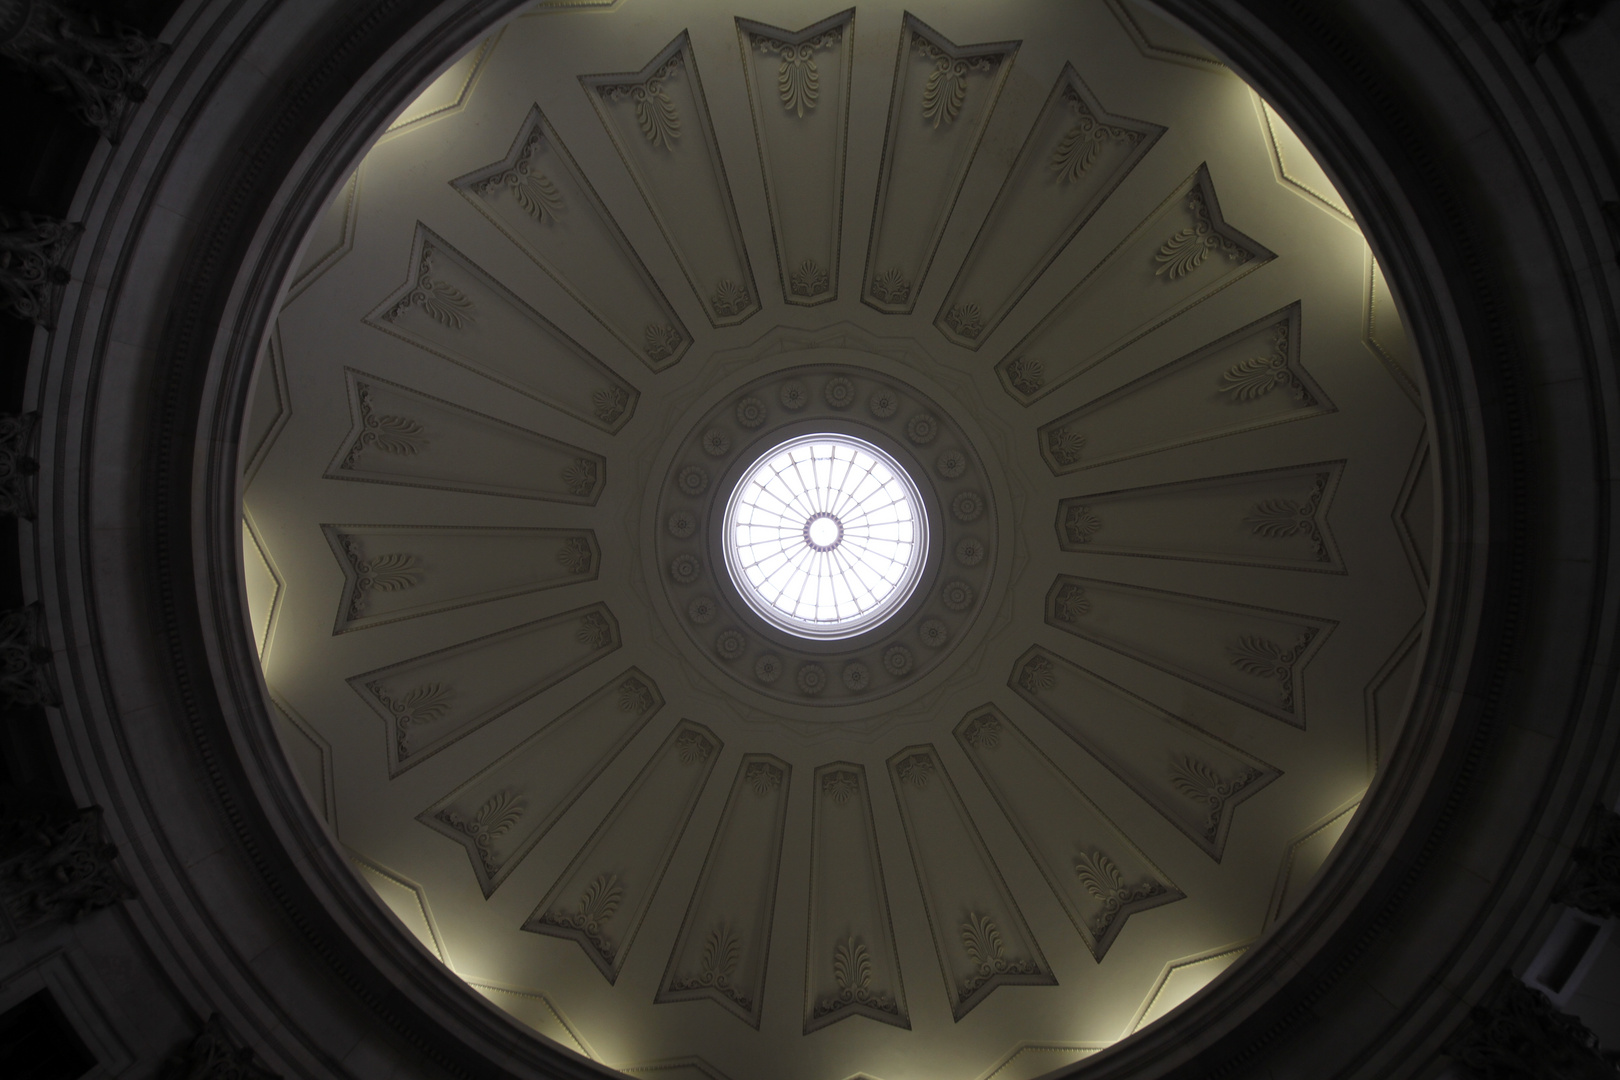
[825, 536]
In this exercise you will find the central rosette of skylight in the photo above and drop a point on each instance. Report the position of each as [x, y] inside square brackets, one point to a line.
[825, 536]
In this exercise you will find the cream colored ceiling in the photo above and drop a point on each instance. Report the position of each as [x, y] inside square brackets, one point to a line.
[1126, 335]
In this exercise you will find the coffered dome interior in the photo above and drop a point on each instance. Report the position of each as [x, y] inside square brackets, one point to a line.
[1107, 325]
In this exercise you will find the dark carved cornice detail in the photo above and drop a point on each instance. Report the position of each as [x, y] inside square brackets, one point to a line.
[1536, 24]
[1593, 884]
[33, 254]
[19, 464]
[56, 868]
[27, 673]
[215, 1054]
[1516, 1034]
[101, 65]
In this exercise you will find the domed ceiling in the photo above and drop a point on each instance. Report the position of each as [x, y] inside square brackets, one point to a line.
[1109, 318]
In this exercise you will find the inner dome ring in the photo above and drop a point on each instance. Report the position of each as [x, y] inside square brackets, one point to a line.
[825, 536]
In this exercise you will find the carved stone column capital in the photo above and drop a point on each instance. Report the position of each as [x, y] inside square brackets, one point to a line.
[102, 66]
[1593, 884]
[34, 250]
[214, 1054]
[1514, 1033]
[55, 868]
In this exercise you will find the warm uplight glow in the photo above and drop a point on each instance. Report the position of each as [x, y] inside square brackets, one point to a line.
[825, 536]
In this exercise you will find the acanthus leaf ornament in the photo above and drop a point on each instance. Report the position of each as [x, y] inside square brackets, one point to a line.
[852, 972]
[594, 630]
[1190, 247]
[982, 941]
[635, 696]
[730, 298]
[1265, 659]
[660, 340]
[19, 468]
[397, 435]
[966, 319]
[1082, 144]
[439, 300]
[891, 286]
[1065, 444]
[655, 110]
[1257, 376]
[498, 814]
[101, 65]
[717, 966]
[422, 705]
[1200, 782]
[1105, 882]
[809, 279]
[1280, 518]
[390, 572]
[609, 403]
[580, 477]
[916, 769]
[575, 555]
[945, 92]
[55, 868]
[1071, 603]
[1080, 524]
[534, 191]
[596, 907]
[27, 669]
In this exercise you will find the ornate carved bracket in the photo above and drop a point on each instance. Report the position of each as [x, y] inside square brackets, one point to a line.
[215, 1054]
[55, 869]
[101, 65]
[1514, 1033]
[33, 255]
[1536, 24]
[1593, 884]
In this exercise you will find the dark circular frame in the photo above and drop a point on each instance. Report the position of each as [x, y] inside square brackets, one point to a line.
[1330, 75]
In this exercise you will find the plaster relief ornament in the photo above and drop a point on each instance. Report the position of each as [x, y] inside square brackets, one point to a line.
[1254, 378]
[982, 941]
[951, 464]
[768, 668]
[609, 403]
[1278, 519]
[839, 392]
[1071, 604]
[1083, 144]
[946, 89]
[957, 595]
[810, 279]
[897, 661]
[794, 395]
[635, 696]
[840, 786]
[852, 971]
[1189, 248]
[439, 300]
[392, 572]
[731, 644]
[682, 523]
[661, 340]
[966, 319]
[702, 610]
[811, 679]
[655, 111]
[492, 820]
[934, 633]
[685, 568]
[575, 555]
[397, 435]
[730, 298]
[1065, 445]
[580, 477]
[915, 770]
[716, 443]
[1027, 375]
[594, 630]
[1265, 659]
[984, 733]
[883, 403]
[798, 80]
[693, 480]
[751, 412]
[967, 506]
[891, 286]
[1080, 524]
[1105, 882]
[970, 551]
[763, 777]
[597, 906]
[533, 190]
[692, 748]
[718, 965]
[922, 428]
[857, 676]
[1203, 784]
